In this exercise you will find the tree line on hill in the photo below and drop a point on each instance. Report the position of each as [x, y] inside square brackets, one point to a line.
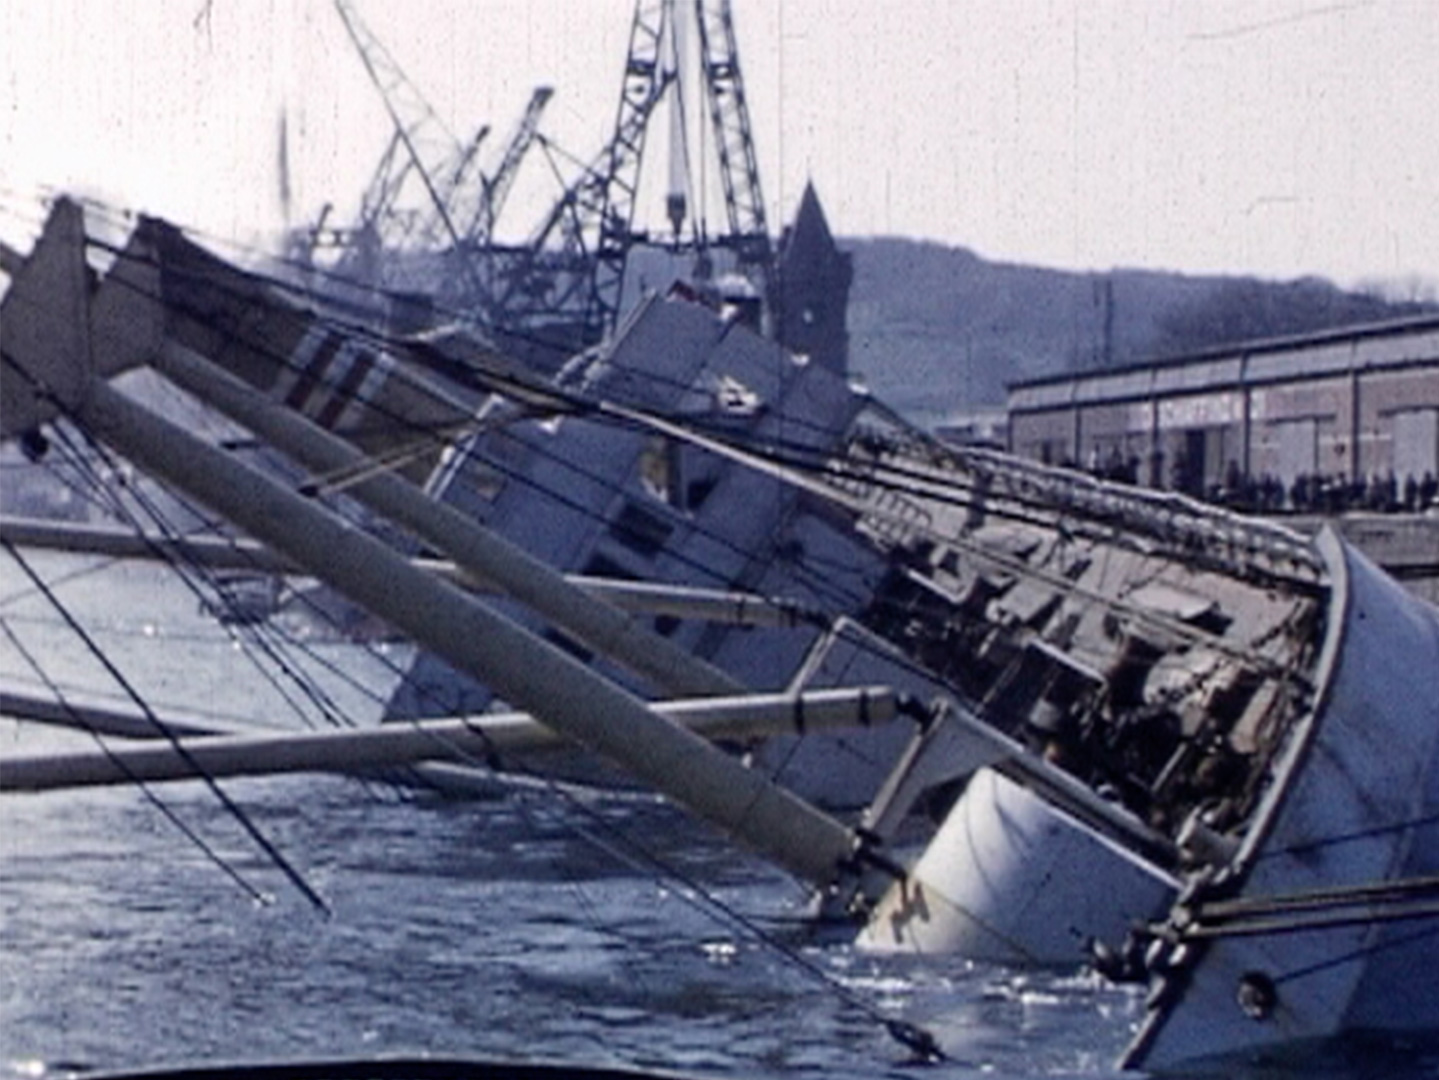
[937, 330]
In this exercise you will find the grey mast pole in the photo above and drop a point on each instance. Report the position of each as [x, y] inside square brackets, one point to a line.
[51, 352]
[553, 686]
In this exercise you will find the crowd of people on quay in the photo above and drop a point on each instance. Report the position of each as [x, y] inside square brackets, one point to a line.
[1380, 494]
[1307, 493]
[1327, 494]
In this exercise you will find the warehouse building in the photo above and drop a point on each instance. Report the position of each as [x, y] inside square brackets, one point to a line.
[1349, 415]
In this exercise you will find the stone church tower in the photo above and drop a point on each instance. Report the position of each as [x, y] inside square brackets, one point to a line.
[809, 290]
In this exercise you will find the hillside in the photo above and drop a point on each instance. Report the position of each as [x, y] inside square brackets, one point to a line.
[935, 330]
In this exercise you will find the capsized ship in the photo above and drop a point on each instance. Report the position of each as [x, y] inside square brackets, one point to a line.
[1194, 748]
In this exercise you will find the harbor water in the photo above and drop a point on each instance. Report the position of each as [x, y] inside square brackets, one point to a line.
[147, 927]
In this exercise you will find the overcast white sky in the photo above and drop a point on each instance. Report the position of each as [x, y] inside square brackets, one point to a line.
[1275, 137]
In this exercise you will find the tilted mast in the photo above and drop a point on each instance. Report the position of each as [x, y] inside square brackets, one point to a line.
[56, 352]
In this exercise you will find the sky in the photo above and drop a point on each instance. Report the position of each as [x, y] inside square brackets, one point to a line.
[1278, 138]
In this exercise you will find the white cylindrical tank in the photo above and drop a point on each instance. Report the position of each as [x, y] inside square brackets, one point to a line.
[1011, 879]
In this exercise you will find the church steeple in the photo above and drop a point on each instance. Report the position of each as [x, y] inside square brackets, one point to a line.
[809, 290]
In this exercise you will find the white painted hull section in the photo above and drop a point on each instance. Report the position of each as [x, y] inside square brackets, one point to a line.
[1349, 809]
[1011, 879]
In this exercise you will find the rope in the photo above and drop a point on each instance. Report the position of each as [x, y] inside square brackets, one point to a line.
[916, 1039]
[1349, 838]
[1369, 905]
[191, 573]
[1356, 954]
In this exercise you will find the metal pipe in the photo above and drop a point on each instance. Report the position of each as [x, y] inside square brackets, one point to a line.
[555, 687]
[463, 740]
[95, 719]
[709, 605]
[223, 553]
[230, 553]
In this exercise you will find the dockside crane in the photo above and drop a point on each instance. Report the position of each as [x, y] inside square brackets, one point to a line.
[422, 147]
[477, 204]
[563, 285]
[568, 279]
[734, 137]
[446, 241]
[561, 289]
[480, 204]
[361, 243]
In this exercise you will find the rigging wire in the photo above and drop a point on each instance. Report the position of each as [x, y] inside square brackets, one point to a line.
[249, 635]
[700, 898]
[933, 446]
[1308, 846]
[577, 405]
[920, 484]
[803, 456]
[263, 642]
[877, 474]
[145, 789]
[87, 468]
[276, 857]
[865, 476]
[70, 480]
[919, 1042]
[868, 475]
[786, 452]
[631, 852]
[901, 480]
[916, 1040]
[192, 573]
[1337, 908]
[1360, 953]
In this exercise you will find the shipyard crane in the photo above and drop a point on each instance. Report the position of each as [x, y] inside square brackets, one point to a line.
[564, 284]
[734, 137]
[477, 205]
[461, 202]
[561, 289]
[439, 163]
[567, 280]
[360, 243]
[480, 204]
